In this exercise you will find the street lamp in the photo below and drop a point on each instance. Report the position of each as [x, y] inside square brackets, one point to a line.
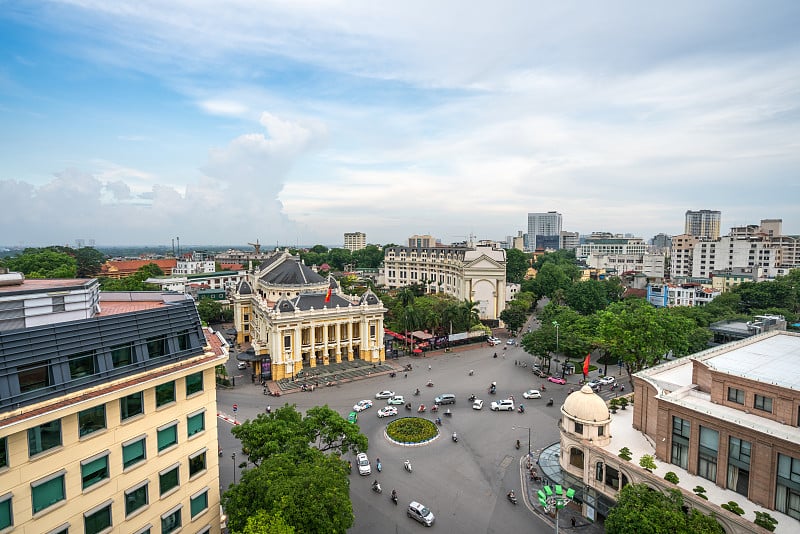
[233, 457]
[554, 499]
[529, 438]
[555, 323]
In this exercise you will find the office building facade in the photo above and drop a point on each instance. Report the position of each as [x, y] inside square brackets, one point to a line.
[703, 224]
[355, 241]
[541, 225]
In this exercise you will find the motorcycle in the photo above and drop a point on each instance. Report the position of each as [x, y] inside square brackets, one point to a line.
[495, 355]
[512, 497]
[429, 384]
[550, 402]
[455, 437]
[407, 465]
[543, 388]
[471, 372]
[394, 497]
[421, 408]
[439, 421]
[434, 408]
[448, 413]
[416, 393]
[472, 398]
[517, 445]
[492, 390]
[379, 466]
[408, 406]
[269, 409]
[376, 487]
[521, 409]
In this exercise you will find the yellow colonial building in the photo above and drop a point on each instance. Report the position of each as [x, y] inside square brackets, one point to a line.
[296, 319]
[107, 421]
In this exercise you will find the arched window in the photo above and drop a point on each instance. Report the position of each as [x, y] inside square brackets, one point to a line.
[576, 457]
[598, 471]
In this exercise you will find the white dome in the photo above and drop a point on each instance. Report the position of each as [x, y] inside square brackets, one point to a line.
[586, 406]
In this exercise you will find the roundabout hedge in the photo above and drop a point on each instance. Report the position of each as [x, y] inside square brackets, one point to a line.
[411, 430]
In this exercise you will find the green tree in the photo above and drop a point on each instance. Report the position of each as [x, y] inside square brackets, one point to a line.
[263, 523]
[642, 510]
[640, 335]
[309, 490]
[586, 297]
[368, 257]
[514, 316]
[550, 278]
[43, 263]
[516, 265]
[89, 261]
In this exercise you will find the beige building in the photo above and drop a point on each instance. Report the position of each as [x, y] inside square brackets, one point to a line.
[726, 419]
[703, 224]
[295, 319]
[108, 423]
[477, 274]
[355, 241]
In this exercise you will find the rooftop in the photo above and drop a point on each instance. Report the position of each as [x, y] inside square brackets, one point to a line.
[49, 285]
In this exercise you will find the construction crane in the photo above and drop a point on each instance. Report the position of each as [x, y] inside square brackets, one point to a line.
[257, 246]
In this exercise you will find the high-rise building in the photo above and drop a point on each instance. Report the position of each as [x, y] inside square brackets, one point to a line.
[107, 410]
[422, 241]
[355, 241]
[703, 223]
[542, 225]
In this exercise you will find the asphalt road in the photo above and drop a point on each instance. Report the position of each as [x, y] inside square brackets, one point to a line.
[465, 483]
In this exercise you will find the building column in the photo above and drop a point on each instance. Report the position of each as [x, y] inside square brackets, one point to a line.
[350, 340]
[338, 341]
[312, 356]
[325, 348]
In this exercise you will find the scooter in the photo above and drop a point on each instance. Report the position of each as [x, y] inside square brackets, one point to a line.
[379, 466]
[407, 466]
[429, 384]
[472, 398]
[438, 421]
[455, 437]
[550, 402]
[512, 497]
[394, 497]
[376, 487]
[471, 372]
[416, 393]
[521, 409]
[517, 445]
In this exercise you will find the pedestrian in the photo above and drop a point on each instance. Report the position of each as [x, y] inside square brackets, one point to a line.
[573, 521]
[429, 368]
[405, 375]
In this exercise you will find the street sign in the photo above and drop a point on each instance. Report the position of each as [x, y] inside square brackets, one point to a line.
[235, 407]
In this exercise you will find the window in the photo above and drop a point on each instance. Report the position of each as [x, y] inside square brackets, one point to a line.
[94, 470]
[168, 479]
[136, 498]
[197, 463]
[61, 529]
[736, 395]
[598, 471]
[198, 503]
[578, 428]
[47, 492]
[184, 341]
[3, 452]
[133, 452]
[601, 431]
[680, 442]
[81, 365]
[195, 423]
[34, 376]
[131, 406]
[6, 518]
[194, 383]
[707, 454]
[167, 436]
[165, 393]
[91, 420]
[738, 477]
[122, 355]
[98, 519]
[787, 494]
[157, 347]
[58, 304]
[171, 521]
[44, 437]
[762, 403]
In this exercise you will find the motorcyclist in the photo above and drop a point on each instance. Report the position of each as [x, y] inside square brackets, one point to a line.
[438, 420]
[394, 495]
[517, 445]
[416, 392]
[455, 436]
[511, 495]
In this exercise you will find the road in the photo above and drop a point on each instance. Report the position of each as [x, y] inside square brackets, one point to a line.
[465, 483]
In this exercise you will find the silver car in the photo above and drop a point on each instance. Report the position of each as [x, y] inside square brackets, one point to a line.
[421, 513]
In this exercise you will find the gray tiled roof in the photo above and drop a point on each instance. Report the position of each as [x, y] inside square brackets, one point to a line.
[244, 288]
[306, 301]
[292, 272]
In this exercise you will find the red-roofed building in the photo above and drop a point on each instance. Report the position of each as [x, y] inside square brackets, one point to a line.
[122, 268]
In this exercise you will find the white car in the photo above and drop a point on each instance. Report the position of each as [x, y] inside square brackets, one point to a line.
[397, 399]
[385, 394]
[511, 341]
[241, 365]
[477, 404]
[387, 411]
[532, 394]
[607, 380]
[363, 464]
[362, 405]
[503, 405]
[595, 385]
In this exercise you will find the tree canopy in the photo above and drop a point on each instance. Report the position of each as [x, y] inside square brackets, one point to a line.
[517, 263]
[134, 282]
[43, 263]
[643, 510]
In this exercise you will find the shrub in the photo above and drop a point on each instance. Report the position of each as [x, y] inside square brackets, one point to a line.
[647, 462]
[734, 507]
[625, 454]
[411, 430]
[764, 520]
[700, 491]
[614, 405]
[671, 477]
[623, 402]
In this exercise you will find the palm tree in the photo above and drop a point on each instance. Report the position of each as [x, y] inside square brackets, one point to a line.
[469, 313]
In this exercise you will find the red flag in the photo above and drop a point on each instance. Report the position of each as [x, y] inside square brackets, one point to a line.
[328, 295]
[586, 364]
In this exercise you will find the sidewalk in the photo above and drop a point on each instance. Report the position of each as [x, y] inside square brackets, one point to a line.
[569, 518]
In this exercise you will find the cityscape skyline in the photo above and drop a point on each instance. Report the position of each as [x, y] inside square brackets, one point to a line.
[130, 123]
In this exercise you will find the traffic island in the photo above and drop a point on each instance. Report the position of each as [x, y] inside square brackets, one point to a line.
[411, 431]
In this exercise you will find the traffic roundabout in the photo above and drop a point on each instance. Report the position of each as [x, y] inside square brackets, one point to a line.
[411, 431]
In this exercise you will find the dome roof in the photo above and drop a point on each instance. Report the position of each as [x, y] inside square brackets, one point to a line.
[586, 406]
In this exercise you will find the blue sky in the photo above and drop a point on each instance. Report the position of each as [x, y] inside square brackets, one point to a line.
[294, 122]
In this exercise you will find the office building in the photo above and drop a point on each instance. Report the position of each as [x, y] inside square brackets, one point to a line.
[541, 226]
[570, 240]
[422, 241]
[726, 419]
[477, 274]
[355, 241]
[703, 224]
[107, 411]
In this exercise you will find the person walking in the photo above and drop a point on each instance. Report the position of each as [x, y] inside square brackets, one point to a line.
[429, 367]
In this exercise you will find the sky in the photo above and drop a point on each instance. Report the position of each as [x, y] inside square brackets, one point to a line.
[133, 123]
